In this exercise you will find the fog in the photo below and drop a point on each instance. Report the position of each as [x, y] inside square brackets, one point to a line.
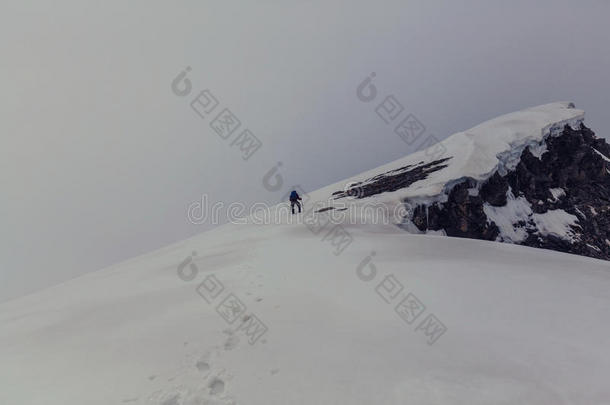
[102, 155]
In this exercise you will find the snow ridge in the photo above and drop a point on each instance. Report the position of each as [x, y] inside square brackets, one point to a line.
[477, 153]
[504, 180]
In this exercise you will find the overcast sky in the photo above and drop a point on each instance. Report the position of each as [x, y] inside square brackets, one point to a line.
[100, 158]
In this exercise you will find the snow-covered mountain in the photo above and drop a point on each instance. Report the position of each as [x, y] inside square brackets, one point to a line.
[337, 307]
[536, 177]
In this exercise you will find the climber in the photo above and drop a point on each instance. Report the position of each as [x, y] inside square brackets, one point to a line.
[294, 199]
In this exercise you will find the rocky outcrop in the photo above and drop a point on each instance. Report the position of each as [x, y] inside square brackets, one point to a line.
[462, 215]
[392, 180]
[571, 178]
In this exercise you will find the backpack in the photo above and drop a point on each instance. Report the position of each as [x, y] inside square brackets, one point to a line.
[294, 195]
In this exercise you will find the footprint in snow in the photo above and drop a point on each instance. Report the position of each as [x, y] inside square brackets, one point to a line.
[202, 366]
[216, 386]
[232, 340]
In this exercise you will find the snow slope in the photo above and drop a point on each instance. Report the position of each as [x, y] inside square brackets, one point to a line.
[486, 323]
[522, 325]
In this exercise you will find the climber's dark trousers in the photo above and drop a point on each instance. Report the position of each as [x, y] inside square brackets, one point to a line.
[292, 203]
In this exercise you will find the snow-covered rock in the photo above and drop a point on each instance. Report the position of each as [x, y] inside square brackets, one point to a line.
[495, 145]
[525, 177]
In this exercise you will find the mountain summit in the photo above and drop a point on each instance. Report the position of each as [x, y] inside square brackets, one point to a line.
[537, 177]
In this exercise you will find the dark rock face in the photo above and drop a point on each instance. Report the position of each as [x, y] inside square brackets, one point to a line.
[392, 180]
[571, 163]
[462, 215]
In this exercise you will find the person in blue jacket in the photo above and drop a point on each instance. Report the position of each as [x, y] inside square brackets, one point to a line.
[294, 199]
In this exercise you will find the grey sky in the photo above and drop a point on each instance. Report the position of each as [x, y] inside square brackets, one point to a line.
[99, 159]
